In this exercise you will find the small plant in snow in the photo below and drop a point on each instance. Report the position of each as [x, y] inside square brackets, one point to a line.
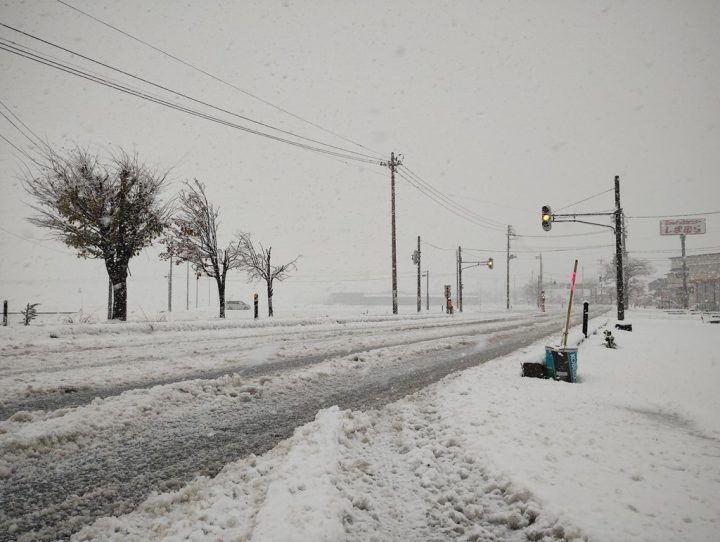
[609, 339]
[80, 317]
[29, 313]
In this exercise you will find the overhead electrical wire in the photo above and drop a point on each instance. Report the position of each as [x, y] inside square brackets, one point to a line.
[215, 77]
[429, 191]
[454, 210]
[144, 95]
[597, 232]
[446, 198]
[586, 199]
[21, 151]
[676, 216]
[176, 92]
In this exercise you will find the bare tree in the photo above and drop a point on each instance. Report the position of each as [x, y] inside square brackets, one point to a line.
[633, 270]
[103, 210]
[256, 262]
[193, 237]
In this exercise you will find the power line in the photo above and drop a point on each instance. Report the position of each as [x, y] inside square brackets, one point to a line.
[21, 151]
[446, 198]
[597, 232]
[586, 199]
[676, 216]
[438, 197]
[214, 77]
[143, 95]
[178, 93]
[424, 242]
[38, 138]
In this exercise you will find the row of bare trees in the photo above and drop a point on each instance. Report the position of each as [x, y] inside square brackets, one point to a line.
[192, 236]
[112, 211]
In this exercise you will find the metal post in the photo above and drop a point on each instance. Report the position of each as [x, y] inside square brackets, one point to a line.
[619, 284]
[686, 295]
[5, 312]
[187, 287]
[170, 286]
[110, 299]
[586, 310]
[197, 281]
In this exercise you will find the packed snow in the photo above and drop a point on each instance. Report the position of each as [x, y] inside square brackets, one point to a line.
[630, 452]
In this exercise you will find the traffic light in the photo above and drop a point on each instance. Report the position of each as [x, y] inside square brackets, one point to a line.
[546, 218]
[490, 263]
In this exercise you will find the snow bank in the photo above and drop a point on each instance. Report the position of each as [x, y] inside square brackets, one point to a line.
[629, 453]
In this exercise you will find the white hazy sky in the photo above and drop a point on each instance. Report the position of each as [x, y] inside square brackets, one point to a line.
[503, 106]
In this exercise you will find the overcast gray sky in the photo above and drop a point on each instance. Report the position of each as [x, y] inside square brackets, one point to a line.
[502, 106]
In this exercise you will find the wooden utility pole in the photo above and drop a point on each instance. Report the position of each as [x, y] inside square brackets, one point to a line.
[507, 278]
[686, 295]
[394, 162]
[619, 284]
[419, 279]
[460, 282]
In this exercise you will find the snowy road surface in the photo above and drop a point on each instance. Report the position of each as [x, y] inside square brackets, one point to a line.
[181, 401]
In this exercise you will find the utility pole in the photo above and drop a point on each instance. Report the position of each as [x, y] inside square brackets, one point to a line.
[170, 285]
[686, 296]
[507, 278]
[419, 279]
[460, 282]
[626, 262]
[619, 284]
[540, 280]
[427, 290]
[394, 162]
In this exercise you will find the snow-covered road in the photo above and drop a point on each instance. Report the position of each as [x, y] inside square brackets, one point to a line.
[179, 402]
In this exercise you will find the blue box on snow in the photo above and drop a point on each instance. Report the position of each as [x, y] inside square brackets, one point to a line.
[561, 363]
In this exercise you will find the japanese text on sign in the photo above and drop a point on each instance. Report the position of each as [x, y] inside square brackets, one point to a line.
[680, 226]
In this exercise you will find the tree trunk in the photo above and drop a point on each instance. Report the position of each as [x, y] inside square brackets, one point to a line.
[117, 272]
[221, 296]
[269, 296]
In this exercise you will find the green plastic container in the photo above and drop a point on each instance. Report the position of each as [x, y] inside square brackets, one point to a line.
[561, 363]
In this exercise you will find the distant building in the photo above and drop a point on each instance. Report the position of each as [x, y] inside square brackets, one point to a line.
[703, 280]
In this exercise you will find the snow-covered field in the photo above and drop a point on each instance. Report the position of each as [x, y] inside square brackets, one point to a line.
[631, 452]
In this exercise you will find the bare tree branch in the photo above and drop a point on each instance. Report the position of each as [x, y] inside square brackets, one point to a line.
[256, 261]
[193, 237]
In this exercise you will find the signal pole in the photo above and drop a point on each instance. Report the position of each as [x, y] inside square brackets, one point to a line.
[394, 162]
[619, 283]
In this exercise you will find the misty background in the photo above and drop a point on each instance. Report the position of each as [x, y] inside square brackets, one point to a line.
[501, 106]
